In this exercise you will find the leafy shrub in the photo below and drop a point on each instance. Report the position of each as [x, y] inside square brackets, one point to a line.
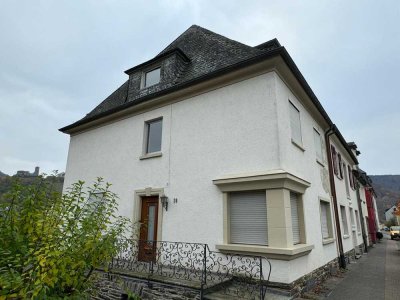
[51, 244]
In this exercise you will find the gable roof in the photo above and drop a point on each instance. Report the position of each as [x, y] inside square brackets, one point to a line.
[206, 55]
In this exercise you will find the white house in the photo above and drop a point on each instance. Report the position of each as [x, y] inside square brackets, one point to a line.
[236, 139]
[389, 213]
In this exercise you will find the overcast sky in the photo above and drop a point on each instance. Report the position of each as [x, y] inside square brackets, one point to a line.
[59, 59]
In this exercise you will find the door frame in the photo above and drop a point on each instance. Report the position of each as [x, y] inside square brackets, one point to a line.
[148, 248]
[137, 209]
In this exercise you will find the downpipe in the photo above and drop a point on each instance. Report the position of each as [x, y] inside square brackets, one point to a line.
[342, 259]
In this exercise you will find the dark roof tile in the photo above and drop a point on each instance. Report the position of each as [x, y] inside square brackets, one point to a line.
[117, 98]
[207, 52]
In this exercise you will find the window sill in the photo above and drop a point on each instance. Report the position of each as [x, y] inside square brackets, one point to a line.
[320, 163]
[270, 252]
[346, 236]
[151, 155]
[298, 145]
[328, 241]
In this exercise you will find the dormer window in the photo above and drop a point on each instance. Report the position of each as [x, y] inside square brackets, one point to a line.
[151, 77]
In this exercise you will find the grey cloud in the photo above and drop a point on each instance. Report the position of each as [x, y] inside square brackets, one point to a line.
[59, 59]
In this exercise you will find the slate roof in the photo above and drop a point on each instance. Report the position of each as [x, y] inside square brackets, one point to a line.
[117, 98]
[207, 53]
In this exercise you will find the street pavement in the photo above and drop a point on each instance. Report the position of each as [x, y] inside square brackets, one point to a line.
[376, 275]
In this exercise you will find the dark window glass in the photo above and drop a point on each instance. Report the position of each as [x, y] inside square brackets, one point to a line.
[154, 131]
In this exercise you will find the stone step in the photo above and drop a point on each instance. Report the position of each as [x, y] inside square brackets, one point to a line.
[268, 296]
[235, 293]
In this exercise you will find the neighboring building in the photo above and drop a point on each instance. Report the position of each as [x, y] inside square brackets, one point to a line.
[344, 160]
[389, 213]
[236, 137]
[368, 198]
[27, 173]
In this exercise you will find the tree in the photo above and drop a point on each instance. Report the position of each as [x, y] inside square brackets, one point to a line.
[396, 211]
[50, 244]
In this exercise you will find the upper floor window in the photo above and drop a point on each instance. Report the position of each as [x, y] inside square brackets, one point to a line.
[334, 160]
[318, 145]
[351, 178]
[340, 166]
[151, 77]
[295, 124]
[153, 136]
[346, 179]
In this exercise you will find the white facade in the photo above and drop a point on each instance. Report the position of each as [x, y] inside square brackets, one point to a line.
[241, 127]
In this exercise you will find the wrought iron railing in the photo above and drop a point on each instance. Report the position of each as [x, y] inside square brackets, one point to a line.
[173, 260]
[195, 266]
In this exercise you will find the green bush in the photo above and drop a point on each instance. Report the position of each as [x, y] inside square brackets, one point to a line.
[51, 244]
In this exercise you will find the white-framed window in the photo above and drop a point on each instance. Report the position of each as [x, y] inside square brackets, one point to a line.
[153, 136]
[294, 208]
[248, 217]
[326, 220]
[151, 77]
[318, 145]
[358, 221]
[344, 220]
[94, 200]
[346, 181]
[295, 124]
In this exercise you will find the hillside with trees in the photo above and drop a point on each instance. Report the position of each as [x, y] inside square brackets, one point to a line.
[7, 181]
[387, 188]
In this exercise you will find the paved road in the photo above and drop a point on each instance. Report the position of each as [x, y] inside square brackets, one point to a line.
[374, 276]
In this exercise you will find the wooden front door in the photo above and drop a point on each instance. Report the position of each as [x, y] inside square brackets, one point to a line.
[148, 229]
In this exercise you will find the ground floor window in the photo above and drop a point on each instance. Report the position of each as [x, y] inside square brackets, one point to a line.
[248, 218]
[264, 213]
[344, 220]
[294, 208]
[358, 221]
[326, 220]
